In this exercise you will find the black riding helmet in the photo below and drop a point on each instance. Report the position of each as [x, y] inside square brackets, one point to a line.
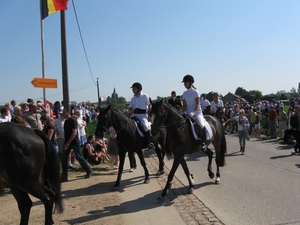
[137, 85]
[189, 78]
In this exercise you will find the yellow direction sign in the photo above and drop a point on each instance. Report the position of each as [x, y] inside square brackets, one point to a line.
[44, 83]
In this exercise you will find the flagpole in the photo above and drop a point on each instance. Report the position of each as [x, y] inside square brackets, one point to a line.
[43, 50]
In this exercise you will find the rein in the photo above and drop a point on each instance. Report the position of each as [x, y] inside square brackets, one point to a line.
[116, 132]
[181, 120]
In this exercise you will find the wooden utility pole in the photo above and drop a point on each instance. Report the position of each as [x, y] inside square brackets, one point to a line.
[64, 62]
[99, 99]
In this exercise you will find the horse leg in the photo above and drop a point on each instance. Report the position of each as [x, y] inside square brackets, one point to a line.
[122, 154]
[209, 153]
[175, 165]
[160, 152]
[39, 191]
[160, 155]
[188, 175]
[143, 163]
[217, 181]
[24, 203]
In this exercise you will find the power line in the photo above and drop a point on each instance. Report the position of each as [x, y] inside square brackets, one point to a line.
[87, 59]
[79, 88]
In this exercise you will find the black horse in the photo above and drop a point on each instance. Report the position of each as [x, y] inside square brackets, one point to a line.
[29, 165]
[128, 138]
[180, 141]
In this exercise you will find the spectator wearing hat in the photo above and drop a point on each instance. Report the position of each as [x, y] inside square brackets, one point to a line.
[272, 122]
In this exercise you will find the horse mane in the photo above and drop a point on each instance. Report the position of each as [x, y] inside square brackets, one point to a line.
[169, 107]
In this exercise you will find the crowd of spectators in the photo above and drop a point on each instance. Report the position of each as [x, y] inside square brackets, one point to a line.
[267, 116]
[36, 115]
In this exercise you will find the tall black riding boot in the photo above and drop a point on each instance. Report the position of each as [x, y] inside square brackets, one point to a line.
[149, 139]
[203, 136]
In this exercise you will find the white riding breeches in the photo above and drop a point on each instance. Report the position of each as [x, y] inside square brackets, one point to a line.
[144, 120]
[199, 119]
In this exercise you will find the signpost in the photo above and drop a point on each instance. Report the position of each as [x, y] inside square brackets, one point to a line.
[44, 83]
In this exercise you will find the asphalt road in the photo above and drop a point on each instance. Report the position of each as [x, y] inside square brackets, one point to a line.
[260, 187]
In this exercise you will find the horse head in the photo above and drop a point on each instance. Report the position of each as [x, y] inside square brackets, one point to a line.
[158, 117]
[103, 121]
[220, 113]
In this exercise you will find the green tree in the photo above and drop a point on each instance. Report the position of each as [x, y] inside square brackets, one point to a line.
[121, 100]
[282, 95]
[254, 95]
[73, 103]
[113, 102]
[88, 103]
[270, 97]
[294, 93]
[157, 98]
[241, 92]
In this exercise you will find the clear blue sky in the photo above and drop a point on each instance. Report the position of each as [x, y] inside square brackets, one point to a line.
[254, 44]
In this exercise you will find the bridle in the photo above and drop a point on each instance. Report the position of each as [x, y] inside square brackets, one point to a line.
[110, 122]
[162, 112]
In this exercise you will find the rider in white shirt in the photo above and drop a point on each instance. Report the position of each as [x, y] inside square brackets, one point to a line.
[138, 107]
[204, 102]
[191, 104]
[216, 103]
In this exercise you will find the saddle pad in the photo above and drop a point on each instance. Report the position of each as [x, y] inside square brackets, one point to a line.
[208, 130]
[138, 129]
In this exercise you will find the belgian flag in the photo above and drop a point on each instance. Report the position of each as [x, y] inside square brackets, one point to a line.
[52, 6]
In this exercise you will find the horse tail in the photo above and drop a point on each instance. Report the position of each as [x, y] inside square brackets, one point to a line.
[2, 191]
[223, 147]
[51, 171]
[169, 153]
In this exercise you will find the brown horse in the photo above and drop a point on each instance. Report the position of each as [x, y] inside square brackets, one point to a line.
[29, 165]
[180, 141]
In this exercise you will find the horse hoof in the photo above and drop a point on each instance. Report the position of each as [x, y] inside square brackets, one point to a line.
[217, 181]
[211, 175]
[170, 186]
[190, 191]
[147, 181]
[115, 188]
[161, 198]
[160, 172]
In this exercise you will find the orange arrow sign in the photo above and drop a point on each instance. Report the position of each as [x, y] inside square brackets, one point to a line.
[44, 83]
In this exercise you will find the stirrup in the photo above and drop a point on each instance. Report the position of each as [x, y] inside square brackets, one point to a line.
[204, 146]
[151, 146]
